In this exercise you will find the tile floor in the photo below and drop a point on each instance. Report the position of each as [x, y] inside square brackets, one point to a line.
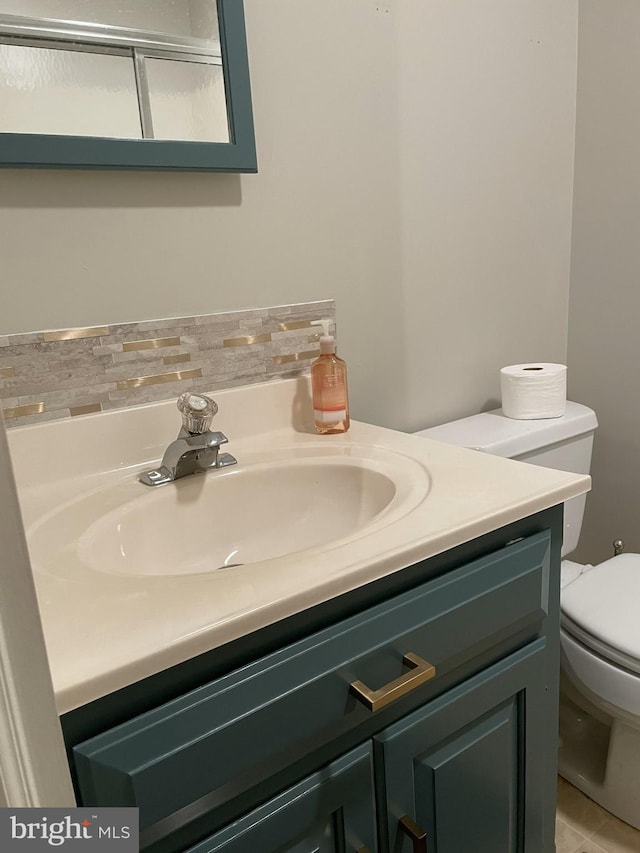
[582, 826]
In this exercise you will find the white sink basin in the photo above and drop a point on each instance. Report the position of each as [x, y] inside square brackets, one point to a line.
[250, 513]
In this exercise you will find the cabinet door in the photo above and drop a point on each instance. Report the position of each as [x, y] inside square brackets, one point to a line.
[455, 770]
[331, 811]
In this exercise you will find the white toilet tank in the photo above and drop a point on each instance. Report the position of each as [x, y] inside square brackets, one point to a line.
[563, 443]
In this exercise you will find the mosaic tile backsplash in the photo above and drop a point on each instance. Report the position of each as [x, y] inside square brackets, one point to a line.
[64, 373]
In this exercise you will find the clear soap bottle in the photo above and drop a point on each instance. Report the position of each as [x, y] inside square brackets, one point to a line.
[329, 386]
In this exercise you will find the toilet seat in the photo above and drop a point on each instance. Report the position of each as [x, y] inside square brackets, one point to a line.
[614, 656]
[602, 678]
[601, 610]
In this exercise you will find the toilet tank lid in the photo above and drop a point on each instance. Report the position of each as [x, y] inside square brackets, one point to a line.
[492, 432]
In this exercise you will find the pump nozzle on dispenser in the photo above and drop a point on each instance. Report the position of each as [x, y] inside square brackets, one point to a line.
[327, 340]
[326, 325]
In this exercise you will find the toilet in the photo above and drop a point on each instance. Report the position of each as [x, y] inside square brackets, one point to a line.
[600, 615]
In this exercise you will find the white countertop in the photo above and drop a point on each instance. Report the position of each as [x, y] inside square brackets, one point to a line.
[104, 631]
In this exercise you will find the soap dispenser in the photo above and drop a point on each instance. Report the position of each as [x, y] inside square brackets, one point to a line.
[329, 386]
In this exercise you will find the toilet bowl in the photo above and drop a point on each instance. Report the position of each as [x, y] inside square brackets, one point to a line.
[600, 615]
[600, 657]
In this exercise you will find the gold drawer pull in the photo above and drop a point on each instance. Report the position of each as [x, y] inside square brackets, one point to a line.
[421, 672]
[413, 831]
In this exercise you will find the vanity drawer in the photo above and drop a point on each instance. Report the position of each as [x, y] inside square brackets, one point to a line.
[228, 735]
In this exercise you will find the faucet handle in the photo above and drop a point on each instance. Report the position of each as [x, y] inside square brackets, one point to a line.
[197, 412]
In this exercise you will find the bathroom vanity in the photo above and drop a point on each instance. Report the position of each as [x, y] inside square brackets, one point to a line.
[390, 690]
[276, 749]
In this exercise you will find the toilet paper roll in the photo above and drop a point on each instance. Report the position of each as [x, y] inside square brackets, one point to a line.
[531, 391]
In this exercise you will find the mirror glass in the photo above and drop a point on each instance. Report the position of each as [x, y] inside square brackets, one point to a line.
[127, 70]
[125, 84]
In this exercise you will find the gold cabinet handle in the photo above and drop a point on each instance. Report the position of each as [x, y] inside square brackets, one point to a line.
[421, 672]
[413, 831]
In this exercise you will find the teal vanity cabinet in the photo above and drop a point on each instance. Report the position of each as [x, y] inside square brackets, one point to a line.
[418, 712]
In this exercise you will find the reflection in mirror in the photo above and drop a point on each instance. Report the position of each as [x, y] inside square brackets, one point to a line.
[109, 68]
[189, 95]
[196, 18]
[46, 91]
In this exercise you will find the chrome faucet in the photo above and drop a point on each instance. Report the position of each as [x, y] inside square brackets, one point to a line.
[196, 449]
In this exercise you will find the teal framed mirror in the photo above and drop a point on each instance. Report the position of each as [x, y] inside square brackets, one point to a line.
[124, 90]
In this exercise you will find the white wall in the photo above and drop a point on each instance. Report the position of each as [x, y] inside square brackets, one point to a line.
[415, 164]
[487, 108]
[605, 275]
